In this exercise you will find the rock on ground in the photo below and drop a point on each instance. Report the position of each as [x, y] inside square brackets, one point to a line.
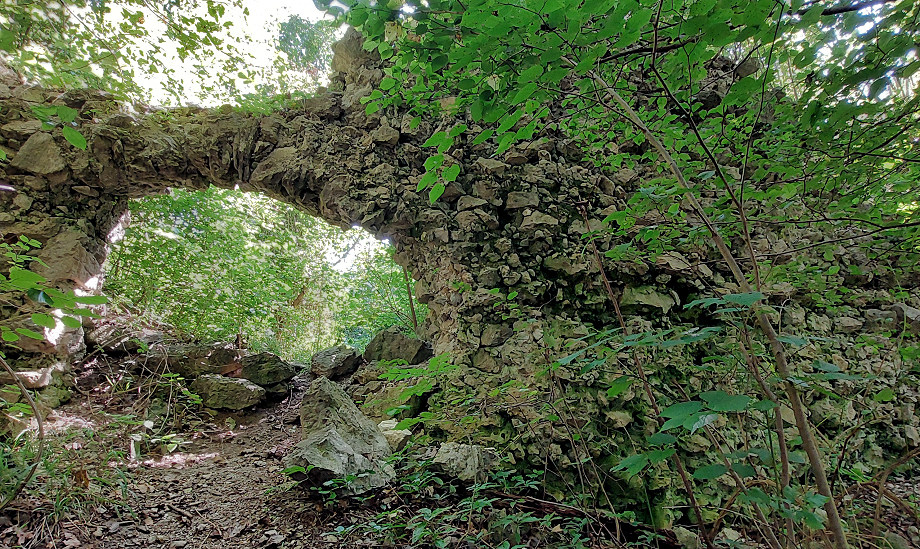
[398, 438]
[266, 369]
[339, 441]
[466, 462]
[227, 393]
[193, 360]
[392, 344]
[336, 362]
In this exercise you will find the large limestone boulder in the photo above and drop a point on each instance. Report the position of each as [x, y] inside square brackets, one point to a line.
[191, 361]
[266, 369]
[227, 393]
[339, 441]
[392, 344]
[336, 362]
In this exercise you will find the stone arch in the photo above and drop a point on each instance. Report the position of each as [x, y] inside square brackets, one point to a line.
[507, 224]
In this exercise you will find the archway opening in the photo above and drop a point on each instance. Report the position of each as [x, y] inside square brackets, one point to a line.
[228, 265]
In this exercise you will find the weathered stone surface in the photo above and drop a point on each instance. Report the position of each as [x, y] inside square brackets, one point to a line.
[11, 425]
[537, 219]
[647, 296]
[324, 160]
[491, 166]
[67, 257]
[40, 155]
[325, 403]
[466, 462]
[266, 369]
[907, 316]
[193, 360]
[113, 338]
[398, 438]
[517, 200]
[391, 399]
[338, 440]
[385, 135]
[227, 393]
[336, 362]
[20, 129]
[35, 379]
[848, 324]
[392, 344]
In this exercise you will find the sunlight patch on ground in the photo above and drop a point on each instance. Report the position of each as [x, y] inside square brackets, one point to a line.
[178, 460]
[61, 422]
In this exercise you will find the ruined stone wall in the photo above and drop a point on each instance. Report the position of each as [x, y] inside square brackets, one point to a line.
[509, 225]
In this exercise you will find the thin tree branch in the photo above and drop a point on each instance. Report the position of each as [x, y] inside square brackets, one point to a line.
[41, 435]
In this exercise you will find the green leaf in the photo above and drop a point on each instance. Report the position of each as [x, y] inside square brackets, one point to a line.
[427, 180]
[43, 112]
[744, 470]
[74, 137]
[682, 410]
[483, 136]
[510, 120]
[91, 299]
[30, 333]
[451, 173]
[746, 299]
[435, 193]
[22, 279]
[43, 320]
[661, 439]
[793, 340]
[720, 401]
[632, 464]
[524, 93]
[66, 114]
[885, 395]
[435, 139]
[434, 162]
[709, 472]
[71, 322]
[763, 405]
[40, 297]
[657, 456]
[387, 83]
[812, 520]
[618, 386]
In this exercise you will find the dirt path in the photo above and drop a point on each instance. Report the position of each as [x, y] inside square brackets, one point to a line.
[220, 491]
[222, 488]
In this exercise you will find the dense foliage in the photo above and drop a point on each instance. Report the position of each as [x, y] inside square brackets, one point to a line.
[217, 263]
[763, 117]
[169, 52]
